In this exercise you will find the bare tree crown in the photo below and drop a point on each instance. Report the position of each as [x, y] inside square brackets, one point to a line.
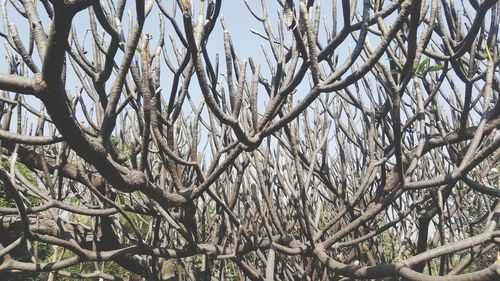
[359, 141]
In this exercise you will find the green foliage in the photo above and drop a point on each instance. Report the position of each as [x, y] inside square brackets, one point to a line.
[483, 260]
[43, 251]
[122, 46]
[114, 141]
[86, 267]
[43, 254]
[488, 53]
[24, 276]
[6, 199]
[231, 271]
[424, 67]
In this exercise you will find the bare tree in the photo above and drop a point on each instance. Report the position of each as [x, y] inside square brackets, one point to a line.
[360, 142]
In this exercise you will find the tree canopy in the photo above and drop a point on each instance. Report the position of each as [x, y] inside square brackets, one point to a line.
[350, 140]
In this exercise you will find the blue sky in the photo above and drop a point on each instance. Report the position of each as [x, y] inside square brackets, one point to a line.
[237, 17]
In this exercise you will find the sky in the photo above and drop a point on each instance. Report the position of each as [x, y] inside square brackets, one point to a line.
[236, 16]
[234, 12]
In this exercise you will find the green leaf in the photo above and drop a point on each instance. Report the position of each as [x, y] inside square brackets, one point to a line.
[487, 50]
[423, 65]
[122, 46]
[435, 68]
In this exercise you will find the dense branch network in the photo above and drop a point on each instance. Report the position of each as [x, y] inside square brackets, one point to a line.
[360, 142]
